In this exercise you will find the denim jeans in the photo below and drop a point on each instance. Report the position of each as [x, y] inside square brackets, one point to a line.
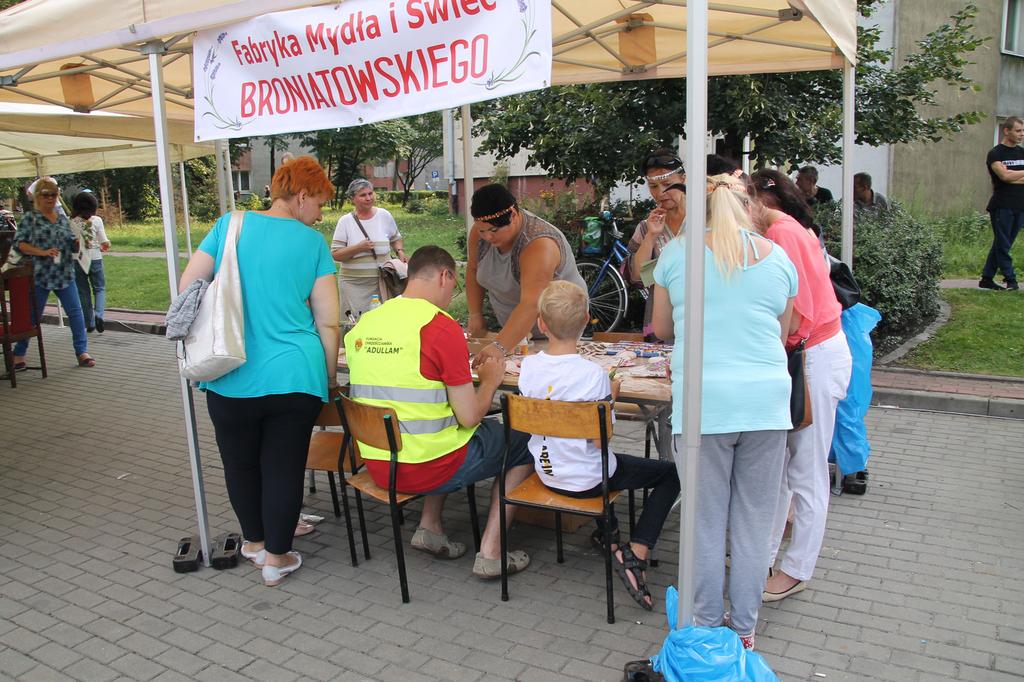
[1006, 223]
[68, 297]
[97, 282]
[638, 472]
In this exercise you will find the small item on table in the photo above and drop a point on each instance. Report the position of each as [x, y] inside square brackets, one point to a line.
[523, 347]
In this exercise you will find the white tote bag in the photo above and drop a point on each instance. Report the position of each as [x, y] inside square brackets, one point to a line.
[215, 344]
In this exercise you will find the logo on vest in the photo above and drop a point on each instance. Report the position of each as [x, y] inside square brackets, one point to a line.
[359, 344]
[379, 346]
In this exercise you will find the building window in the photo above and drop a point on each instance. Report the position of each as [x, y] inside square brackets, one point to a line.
[1013, 27]
[240, 179]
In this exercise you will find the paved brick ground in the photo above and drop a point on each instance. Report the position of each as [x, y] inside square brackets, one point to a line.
[948, 382]
[919, 580]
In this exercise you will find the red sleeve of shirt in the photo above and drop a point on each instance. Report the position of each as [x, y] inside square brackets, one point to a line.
[444, 355]
[789, 234]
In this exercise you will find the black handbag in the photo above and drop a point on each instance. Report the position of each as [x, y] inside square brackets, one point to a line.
[846, 287]
[800, 395]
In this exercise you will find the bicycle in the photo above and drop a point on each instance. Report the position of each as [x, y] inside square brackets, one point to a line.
[606, 283]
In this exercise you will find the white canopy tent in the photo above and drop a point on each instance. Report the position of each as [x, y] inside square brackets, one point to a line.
[42, 139]
[139, 62]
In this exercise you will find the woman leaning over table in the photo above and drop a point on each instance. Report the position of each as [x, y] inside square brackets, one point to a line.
[816, 323]
[362, 240]
[264, 411]
[46, 235]
[512, 256]
[749, 285]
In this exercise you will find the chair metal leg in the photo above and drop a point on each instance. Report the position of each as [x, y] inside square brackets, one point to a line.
[312, 483]
[558, 538]
[362, 525]
[608, 570]
[474, 517]
[42, 354]
[334, 493]
[632, 512]
[396, 530]
[348, 522]
[503, 533]
[401, 517]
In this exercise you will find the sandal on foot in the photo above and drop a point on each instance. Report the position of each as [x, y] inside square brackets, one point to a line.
[597, 540]
[273, 575]
[491, 568]
[257, 558]
[631, 565]
[86, 361]
[437, 544]
[20, 367]
[303, 528]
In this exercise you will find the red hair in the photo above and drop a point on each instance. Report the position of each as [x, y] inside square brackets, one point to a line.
[302, 173]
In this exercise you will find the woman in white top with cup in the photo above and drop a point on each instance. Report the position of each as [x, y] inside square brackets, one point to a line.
[362, 241]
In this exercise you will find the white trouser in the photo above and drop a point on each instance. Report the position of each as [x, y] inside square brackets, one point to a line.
[805, 473]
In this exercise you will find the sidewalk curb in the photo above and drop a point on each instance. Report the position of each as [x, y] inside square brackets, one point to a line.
[914, 341]
[1007, 408]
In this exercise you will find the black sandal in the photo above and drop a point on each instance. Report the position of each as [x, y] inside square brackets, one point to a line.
[631, 564]
[597, 540]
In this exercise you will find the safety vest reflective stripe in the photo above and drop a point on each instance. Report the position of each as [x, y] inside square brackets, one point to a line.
[405, 395]
[424, 426]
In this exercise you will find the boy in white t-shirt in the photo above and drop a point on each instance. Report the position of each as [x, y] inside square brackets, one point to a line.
[573, 466]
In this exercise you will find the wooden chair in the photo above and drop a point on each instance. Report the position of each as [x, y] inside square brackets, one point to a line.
[18, 321]
[379, 427]
[558, 419]
[327, 453]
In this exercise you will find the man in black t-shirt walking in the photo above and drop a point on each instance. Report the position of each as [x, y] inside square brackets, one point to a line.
[1006, 207]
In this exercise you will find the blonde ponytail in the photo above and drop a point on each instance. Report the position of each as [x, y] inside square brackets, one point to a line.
[728, 214]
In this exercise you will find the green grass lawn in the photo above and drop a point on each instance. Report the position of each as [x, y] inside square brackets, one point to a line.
[139, 283]
[966, 240]
[985, 335]
[419, 229]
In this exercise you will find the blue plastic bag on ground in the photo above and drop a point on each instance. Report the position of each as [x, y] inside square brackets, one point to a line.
[850, 446]
[696, 654]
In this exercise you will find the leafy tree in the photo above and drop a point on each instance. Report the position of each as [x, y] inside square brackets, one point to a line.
[274, 144]
[599, 131]
[344, 151]
[423, 145]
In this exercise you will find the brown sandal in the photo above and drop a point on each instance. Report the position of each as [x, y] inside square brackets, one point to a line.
[86, 361]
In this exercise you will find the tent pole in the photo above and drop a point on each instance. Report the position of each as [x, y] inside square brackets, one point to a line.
[849, 71]
[155, 51]
[184, 206]
[222, 181]
[693, 324]
[467, 164]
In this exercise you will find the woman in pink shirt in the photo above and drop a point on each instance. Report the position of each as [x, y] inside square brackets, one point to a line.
[787, 221]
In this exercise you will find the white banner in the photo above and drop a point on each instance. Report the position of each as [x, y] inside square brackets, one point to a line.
[362, 61]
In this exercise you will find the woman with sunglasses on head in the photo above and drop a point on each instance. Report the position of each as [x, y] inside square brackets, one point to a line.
[46, 235]
[816, 323]
[666, 178]
[512, 255]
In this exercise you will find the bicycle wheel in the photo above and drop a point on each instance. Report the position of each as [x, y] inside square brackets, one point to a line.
[608, 299]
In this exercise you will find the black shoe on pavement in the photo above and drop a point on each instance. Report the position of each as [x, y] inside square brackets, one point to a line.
[989, 283]
[99, 324]
[1011, 285]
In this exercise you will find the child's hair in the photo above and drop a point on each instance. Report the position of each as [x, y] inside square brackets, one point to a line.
[84, 205]
[565, 309]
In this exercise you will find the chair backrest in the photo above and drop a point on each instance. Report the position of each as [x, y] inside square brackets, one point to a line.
[556, 418]
[17, 290]
[330, 413]
[614, 337]
[368, 424]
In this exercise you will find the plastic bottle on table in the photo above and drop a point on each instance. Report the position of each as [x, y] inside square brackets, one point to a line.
[374, 301]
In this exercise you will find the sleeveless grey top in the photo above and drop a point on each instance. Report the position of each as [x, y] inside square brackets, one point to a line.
[498, 273]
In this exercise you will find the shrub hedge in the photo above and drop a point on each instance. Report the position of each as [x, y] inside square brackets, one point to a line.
[897, 262]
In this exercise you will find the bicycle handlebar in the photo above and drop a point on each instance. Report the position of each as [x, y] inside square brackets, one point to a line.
[607, 215]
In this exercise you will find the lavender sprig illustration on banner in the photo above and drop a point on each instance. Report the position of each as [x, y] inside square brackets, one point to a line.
[515, 72]
[210, 76]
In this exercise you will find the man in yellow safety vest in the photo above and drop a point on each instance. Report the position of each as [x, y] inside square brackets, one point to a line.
[409, 354]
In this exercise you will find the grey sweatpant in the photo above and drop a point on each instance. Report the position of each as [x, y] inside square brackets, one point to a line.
[738, 486]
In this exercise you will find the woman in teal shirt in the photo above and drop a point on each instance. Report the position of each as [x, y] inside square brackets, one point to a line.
[749, 286]
[264, 411]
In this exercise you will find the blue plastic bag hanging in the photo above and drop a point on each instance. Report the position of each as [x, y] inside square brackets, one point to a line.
[850, 446]
[697, 654]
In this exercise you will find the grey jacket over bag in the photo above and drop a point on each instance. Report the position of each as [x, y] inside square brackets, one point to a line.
[183, 310]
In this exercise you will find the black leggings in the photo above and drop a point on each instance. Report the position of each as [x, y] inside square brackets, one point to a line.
[263, 444]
